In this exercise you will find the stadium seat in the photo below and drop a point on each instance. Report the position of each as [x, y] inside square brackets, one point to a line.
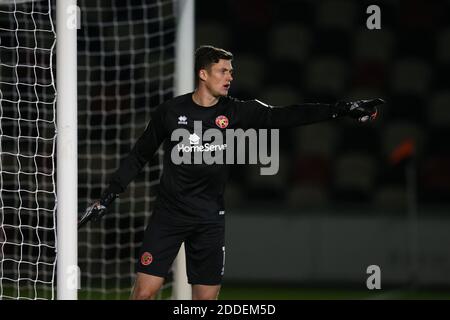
[284, 73]
[396, 133]
[314, 170]
[336, 14]
[437, 141]
[212, 33]
[249, 72]
[233, 195]
[318, 139]
[308, 196]
[280, 95]
[411, 76]
[327, 75]
[439, 109]
[289, 42]
[333, 42]
[374, 46]
[369, 73]
[294, 10]
[409, 107]
[354, 175]
[355, 137]
[443, 46]
[435, 179]
[363, 92]
[391, 198]
[268, 186]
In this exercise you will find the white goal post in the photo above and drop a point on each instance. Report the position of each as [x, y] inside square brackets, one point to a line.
[67, 142]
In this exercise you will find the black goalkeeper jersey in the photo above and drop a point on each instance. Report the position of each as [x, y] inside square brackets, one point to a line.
[195, 192]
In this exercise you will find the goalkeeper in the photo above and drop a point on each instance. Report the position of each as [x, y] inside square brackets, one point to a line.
[189, 206]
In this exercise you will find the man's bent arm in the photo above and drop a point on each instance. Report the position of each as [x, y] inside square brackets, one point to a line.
[142, 152]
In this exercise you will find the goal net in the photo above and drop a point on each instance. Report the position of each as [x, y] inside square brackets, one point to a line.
[125, 63]
[125, 69]
[27, 149]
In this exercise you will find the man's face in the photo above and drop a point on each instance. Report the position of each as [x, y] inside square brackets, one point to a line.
[218, 77]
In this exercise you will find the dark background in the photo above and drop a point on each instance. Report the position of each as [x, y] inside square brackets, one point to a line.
[289, 52]
[347, 195]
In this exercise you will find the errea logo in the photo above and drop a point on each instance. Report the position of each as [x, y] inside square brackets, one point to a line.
[182, 120]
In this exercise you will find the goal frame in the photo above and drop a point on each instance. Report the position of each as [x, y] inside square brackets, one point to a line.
[68, 273]
[67, 151]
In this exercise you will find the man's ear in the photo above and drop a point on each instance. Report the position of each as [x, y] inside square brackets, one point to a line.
[202, 74]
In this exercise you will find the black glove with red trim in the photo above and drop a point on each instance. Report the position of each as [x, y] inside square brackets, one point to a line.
[96, 210]
[362, 110]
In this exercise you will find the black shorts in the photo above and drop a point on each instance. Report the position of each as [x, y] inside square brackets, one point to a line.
[204, 246]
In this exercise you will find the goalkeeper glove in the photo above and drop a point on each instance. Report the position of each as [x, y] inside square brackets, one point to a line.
[97, 210]
[362, 110]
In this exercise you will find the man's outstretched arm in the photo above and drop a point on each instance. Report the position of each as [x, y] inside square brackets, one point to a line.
[143, 150]
[259, 115]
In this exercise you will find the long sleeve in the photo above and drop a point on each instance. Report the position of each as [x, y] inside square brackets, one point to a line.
[258, 115]
[143, 150]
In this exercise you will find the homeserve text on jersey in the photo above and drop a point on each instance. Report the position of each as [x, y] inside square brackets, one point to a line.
[212, 152]
[226, 309]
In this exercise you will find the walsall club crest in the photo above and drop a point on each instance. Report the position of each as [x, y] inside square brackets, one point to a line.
[146, 258]
[222, 122]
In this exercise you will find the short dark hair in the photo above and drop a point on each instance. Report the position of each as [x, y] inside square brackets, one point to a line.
[205, 56]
